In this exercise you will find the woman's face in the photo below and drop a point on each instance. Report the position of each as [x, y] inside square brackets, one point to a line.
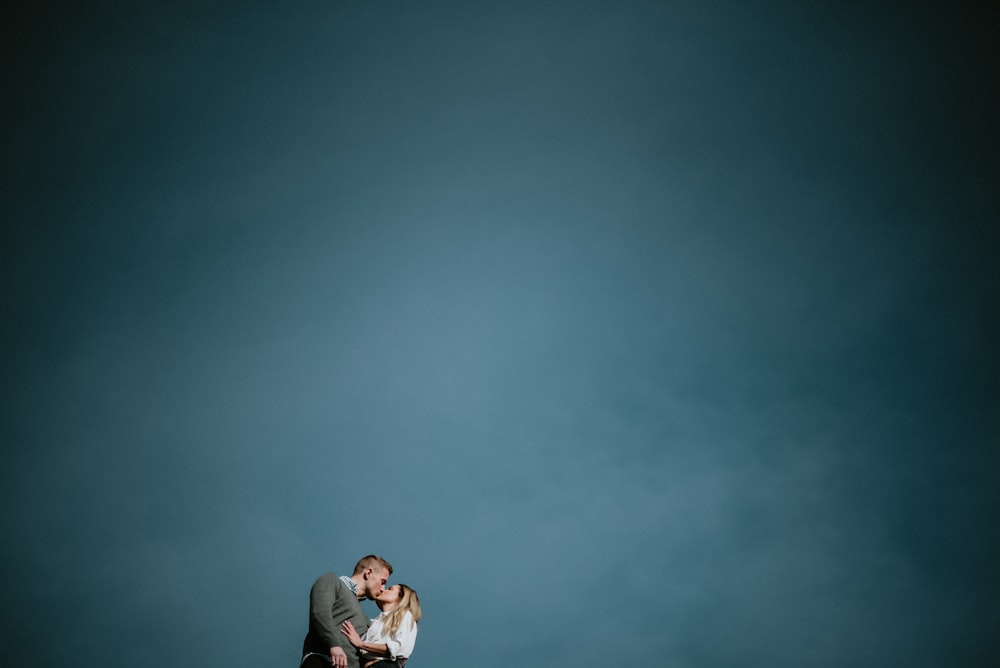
[389, 597]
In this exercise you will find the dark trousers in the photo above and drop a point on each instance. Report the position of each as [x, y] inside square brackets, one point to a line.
[316, 661]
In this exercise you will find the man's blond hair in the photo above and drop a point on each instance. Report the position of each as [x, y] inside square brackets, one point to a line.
[372, 561]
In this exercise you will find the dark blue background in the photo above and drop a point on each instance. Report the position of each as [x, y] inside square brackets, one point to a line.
[632, 333]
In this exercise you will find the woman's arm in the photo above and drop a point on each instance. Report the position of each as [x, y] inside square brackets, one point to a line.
[381, 649]
[398, 645]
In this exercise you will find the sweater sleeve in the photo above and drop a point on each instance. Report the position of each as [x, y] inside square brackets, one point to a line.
[321, 600]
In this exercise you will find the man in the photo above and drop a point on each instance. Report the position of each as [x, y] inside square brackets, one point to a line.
[334, 600]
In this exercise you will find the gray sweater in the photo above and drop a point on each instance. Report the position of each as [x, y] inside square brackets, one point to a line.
[331, 602]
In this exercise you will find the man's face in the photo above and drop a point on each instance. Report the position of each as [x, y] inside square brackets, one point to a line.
[375, 579]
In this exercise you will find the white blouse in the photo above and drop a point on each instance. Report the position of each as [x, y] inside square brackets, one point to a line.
[401, 643]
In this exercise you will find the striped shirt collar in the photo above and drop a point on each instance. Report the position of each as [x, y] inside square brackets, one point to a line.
[350, 583]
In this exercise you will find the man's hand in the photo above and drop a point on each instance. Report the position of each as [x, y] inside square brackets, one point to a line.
[338, 657]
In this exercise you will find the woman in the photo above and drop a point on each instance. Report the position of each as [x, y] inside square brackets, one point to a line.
[390, 637]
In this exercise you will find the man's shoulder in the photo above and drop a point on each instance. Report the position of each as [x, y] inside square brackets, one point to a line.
[333, 583]
[329, 582]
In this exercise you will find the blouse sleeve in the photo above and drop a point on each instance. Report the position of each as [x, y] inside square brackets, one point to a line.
[401, 643]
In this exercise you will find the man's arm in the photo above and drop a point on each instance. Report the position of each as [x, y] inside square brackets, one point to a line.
[322, 596]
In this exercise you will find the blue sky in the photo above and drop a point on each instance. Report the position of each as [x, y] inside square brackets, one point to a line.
[626, 331]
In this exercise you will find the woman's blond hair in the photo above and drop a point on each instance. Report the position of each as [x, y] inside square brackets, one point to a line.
[408, 602]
